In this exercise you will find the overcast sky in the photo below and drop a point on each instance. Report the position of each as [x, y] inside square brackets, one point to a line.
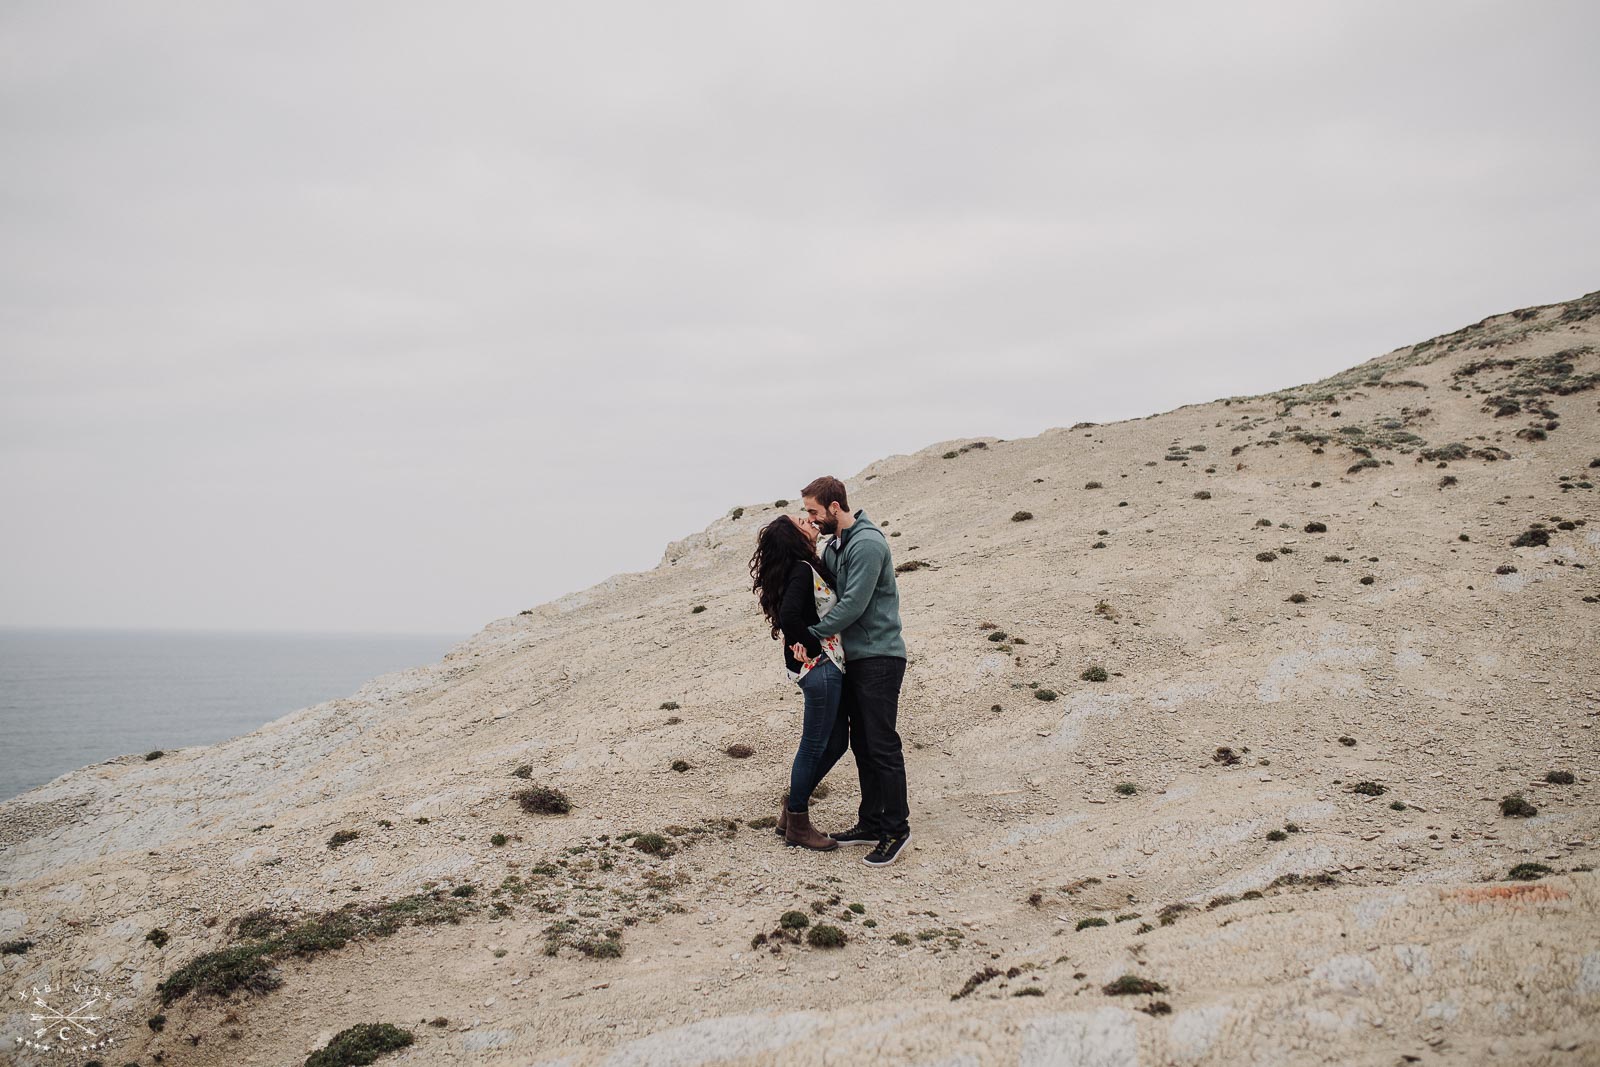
[405, 317]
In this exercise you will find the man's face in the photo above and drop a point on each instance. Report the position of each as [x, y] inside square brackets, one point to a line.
[822, 518]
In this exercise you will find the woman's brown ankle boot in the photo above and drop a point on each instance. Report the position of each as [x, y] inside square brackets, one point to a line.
[801, 832]
[783, 818]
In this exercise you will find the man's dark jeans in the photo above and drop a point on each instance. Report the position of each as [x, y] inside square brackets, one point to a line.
[867, 713]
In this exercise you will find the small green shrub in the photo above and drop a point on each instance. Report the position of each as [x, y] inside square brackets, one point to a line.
[498, 840]
[697, 609]
[680, 765]
[156, 754]
[1528, 872]
[740, 750]
[157, 937]
[524, 771]
[1316, 527]
[16, 947]
[1044, 694]
[1298, 598]
[360, 1045]
[1266, 557]
[1369, 789]
[794, 920]
[825, 936]
[1348, 741]
[1131, 986]
[1022, 516]
[1277, 835]
[1126, 789]
[544, 800]
[342, 837]
[1093, 920]
[1203, 494]
[654, 845]
[1094, 674]
[1093, 485]
[669, 705]
[1513, 806]
[1560, 778]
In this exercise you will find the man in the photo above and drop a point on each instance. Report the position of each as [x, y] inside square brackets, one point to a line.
[867, 620]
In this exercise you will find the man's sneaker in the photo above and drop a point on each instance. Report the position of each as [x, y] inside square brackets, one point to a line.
[856, 835]
[887, 850]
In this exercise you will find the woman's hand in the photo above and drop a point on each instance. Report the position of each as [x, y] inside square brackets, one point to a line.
[799, 651]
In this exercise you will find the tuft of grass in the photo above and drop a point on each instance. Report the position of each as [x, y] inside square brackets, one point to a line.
[1126, 789]
[1528, 872]
[1044, 694]
[360, 1045]
[823, 935]
[16, 947]
[680, 765]
[342, 837]
[1094, 674]
[543, 800]
[1203, 494]
[157, 937]
[1397, 805]
[1022, 516]
[1225, 756]
[1298, 598]
[669, 705]
[1130, 985]
[740, 750]
[1266, 557]
[499, 840]
[154, 754]
[1513, 806]
[1560, 778]
[1347, 741]
[1369, 789]
[524, 771]
[697, 609]
[912, 565]
[1277, 835]
[654, 845]
[1093, 920]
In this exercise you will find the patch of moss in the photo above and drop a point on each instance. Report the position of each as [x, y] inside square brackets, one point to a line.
[1093, 920]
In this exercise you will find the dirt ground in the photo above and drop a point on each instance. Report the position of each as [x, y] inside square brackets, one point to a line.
[1379, 594]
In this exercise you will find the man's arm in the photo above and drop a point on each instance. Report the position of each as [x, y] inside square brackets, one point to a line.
[861, 579]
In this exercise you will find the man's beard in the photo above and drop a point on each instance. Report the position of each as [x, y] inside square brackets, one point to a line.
[828, 526]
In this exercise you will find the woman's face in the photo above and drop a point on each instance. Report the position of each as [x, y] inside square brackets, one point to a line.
[805, 527]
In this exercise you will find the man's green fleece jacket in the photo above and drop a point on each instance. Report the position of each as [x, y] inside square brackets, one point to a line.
[867, 616]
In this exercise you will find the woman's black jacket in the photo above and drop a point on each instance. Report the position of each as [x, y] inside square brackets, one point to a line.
[798, 609]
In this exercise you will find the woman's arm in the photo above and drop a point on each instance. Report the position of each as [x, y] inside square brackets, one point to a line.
[798, 609]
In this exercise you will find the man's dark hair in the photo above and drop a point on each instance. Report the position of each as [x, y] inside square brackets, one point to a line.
[827, 490]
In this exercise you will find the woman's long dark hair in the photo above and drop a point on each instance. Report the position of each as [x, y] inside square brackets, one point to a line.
[778, 545]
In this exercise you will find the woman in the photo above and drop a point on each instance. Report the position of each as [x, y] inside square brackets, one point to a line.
[795, 589]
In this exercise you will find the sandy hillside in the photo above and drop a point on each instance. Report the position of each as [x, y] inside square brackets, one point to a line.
[1387, 581]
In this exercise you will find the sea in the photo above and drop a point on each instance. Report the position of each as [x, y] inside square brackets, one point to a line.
[69, 698]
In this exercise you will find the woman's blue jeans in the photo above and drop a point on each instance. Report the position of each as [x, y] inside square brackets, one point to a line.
[823, 686]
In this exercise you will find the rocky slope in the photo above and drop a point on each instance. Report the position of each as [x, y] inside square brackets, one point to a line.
[1338, 624]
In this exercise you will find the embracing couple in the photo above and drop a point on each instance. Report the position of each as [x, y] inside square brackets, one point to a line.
[837, 613]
